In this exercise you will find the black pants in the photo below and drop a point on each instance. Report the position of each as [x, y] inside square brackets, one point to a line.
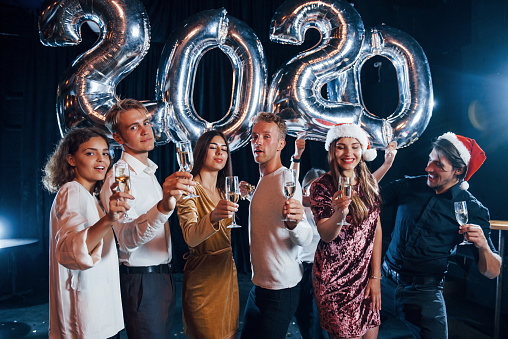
[148, 301]
[269, 312]
[307, 316]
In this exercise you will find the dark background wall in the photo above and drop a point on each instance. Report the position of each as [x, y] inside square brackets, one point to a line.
[465, 42]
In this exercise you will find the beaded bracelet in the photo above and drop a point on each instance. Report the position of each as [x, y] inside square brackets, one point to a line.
[374, 277]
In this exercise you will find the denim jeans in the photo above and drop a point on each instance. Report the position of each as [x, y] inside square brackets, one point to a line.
[420, 306]
[307, 316]
[269, 312]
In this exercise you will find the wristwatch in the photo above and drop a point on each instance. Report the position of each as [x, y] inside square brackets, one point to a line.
[296, 161]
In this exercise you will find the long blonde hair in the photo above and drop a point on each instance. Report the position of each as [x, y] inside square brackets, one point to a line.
[367, 185]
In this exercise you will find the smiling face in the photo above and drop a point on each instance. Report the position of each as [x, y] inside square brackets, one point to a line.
[135, 132]
[348, 153]
[266, 143]
[217, 154]
[90, 162]
[441, 174]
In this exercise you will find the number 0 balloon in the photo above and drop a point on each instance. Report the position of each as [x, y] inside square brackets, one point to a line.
[181, 55]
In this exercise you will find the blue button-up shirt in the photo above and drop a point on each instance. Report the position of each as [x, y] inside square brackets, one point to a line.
[426, 231]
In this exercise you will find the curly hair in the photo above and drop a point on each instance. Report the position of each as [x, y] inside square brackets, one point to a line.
[58, 171]
[271, 117]
[368, 186]
[200, 152]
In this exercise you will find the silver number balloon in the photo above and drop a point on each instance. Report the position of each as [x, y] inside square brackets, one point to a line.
[181, 55]
[414, 80]
[295, 91]
[88, 89]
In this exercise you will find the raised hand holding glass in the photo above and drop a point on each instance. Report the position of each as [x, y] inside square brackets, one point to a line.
[185, 160]
[233, 194]
[289, 186]
[462, 218]
[123, 177]
[346, 190]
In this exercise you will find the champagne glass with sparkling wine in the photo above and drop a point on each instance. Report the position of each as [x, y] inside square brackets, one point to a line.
[185, 160]
[123, 177]
[462, 217]
[232, 194]
[345, 187]
[289, 185]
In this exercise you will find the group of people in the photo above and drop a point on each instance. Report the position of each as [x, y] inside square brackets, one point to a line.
[106, 274]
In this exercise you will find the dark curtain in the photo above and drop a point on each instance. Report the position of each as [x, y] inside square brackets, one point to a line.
[30, 73]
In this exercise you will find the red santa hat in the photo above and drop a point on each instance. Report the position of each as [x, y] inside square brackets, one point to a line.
[351, 131]
[472, 155]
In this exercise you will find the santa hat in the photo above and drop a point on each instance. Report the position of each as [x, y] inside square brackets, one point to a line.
[472, 155]
[351, 131]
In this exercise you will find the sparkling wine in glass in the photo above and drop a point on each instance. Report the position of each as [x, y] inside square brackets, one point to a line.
[462, 217]
[346, 188]
[123, 177]
[233, 194]
[185, 160]
[289, 185]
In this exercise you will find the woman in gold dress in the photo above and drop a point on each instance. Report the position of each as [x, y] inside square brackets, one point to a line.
[210, 300]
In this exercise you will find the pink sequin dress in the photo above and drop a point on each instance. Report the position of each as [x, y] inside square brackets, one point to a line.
[342, 268]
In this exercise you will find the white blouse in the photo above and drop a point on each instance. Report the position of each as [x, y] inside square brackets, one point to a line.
[84, 300]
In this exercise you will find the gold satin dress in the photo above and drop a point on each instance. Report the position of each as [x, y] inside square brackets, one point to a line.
[210, 300]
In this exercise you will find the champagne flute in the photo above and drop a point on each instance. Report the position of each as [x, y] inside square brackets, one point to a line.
[462, 217]
[346, 189]
[289, 186]
[232, 194]
[185, 160]
[123, 177]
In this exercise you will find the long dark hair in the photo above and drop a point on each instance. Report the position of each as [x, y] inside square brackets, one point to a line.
[201, 151]
[368, 186]
[58, 171]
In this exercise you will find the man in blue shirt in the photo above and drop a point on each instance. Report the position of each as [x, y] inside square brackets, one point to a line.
[426, 233]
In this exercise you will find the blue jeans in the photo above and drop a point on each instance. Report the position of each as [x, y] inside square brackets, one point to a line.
[269, 312]
[307, 316]
[420, 306]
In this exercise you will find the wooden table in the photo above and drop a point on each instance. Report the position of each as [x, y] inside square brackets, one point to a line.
[11, 244]
[500, 225]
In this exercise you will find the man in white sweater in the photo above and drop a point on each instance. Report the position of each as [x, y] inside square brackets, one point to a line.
[274, 244]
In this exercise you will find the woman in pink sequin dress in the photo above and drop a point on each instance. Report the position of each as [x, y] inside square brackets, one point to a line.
[347, 265]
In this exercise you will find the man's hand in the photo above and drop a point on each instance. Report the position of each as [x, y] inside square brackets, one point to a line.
[475, 235]
[173, 188]
[246, 190]
[293, 210]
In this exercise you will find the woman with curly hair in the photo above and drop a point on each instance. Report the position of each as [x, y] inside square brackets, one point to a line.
[83, 276]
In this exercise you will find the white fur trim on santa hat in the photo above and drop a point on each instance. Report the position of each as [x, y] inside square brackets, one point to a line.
[351, 131]
[463, 151]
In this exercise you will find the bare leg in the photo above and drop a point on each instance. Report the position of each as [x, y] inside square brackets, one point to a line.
[371, 333]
